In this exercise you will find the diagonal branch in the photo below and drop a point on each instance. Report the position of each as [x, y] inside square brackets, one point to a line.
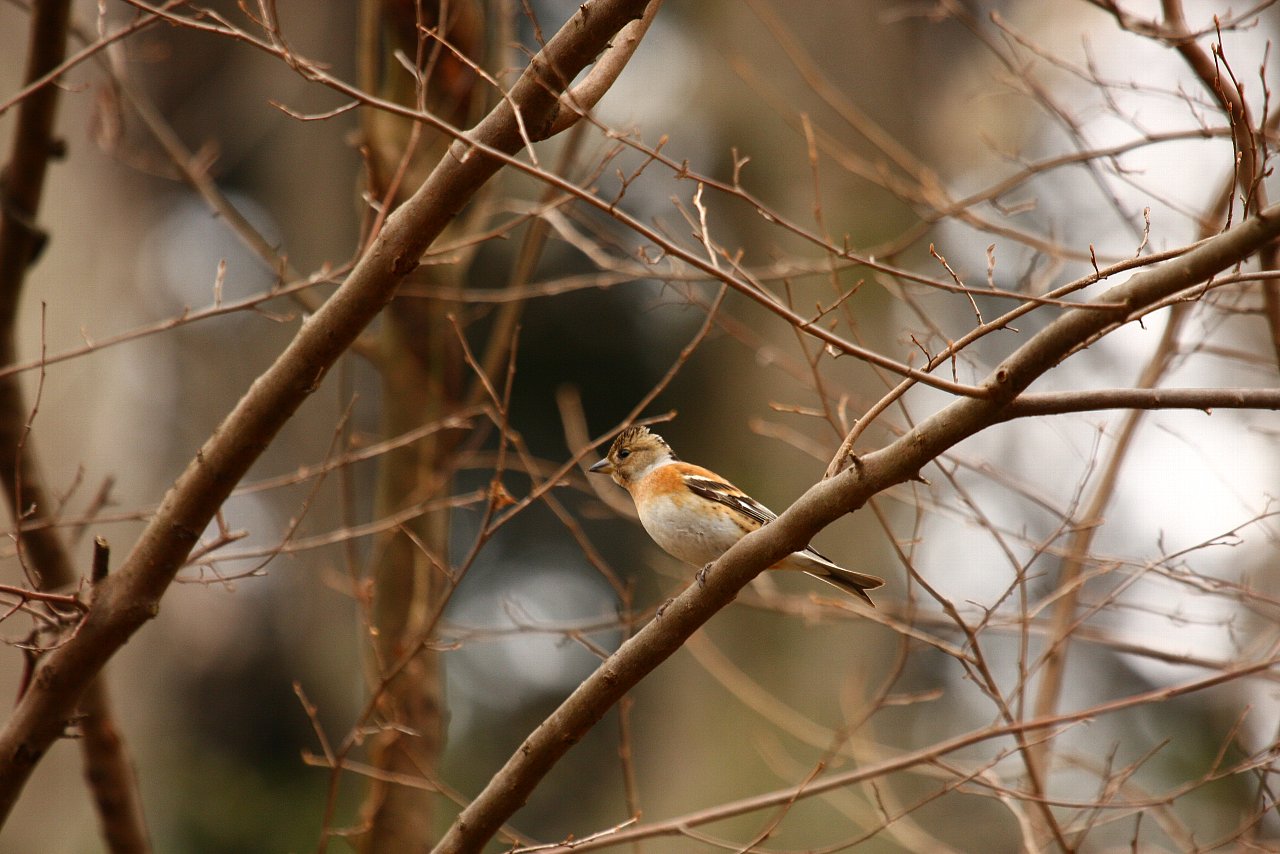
[131, 597]
[923, 756]
[822, 504]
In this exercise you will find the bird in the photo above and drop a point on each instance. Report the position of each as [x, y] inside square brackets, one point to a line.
[695, 515]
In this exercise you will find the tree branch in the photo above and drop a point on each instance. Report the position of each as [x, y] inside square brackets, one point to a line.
[131, 597]
[107, 766]
[915, 758]
[822, 504]
[1204, 399]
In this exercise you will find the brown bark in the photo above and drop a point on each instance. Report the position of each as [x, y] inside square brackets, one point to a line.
[107, 766]
[131, 597]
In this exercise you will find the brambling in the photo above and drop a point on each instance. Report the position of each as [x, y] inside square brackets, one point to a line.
[696, 515]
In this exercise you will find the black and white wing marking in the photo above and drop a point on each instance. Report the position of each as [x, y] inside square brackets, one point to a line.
[821, 566]
[730, 496]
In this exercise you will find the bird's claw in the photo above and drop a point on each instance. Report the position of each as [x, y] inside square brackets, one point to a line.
[663, 607]
[701, 576]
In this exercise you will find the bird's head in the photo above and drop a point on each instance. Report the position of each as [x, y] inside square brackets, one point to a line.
[635, 453]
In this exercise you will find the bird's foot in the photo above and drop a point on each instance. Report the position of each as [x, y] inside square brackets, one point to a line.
[702, 574]
[663, 607]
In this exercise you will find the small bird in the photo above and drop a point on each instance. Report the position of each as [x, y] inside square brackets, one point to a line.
[696, 515]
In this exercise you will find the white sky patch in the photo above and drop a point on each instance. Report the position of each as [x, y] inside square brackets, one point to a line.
[517, 667]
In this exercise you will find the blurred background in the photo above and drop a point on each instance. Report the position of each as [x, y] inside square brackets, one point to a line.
[863, 122]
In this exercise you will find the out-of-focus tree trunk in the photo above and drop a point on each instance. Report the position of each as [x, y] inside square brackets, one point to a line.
[45, 558]
[421, 371]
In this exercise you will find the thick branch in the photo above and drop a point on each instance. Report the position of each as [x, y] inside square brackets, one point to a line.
[583, 97]
[1203, 399]
[822, 504]
[131, 597]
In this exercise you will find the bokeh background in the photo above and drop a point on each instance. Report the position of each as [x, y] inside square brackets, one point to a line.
[206, 694]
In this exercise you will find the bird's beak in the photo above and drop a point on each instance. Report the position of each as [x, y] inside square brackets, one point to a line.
[602, 467]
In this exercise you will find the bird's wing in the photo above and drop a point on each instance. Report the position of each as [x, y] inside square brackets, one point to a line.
[818, 565]
[729, 495]
[726, 493]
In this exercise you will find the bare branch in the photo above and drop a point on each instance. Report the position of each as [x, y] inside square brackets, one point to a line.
[1203, 399]
[819, 506]
[131, 596]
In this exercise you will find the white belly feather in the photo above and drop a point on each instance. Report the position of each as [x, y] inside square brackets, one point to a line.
[693, 539]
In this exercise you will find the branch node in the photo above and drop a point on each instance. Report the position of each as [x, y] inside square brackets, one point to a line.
[101, 560]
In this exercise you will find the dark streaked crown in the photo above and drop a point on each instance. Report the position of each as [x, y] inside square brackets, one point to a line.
[635, 435]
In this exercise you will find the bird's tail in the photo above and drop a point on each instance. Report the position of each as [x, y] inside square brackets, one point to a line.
[849, 581]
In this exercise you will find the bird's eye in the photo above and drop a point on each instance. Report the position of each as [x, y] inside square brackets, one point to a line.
[624, 453]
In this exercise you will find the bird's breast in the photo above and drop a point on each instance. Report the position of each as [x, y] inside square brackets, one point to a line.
[693, 537]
